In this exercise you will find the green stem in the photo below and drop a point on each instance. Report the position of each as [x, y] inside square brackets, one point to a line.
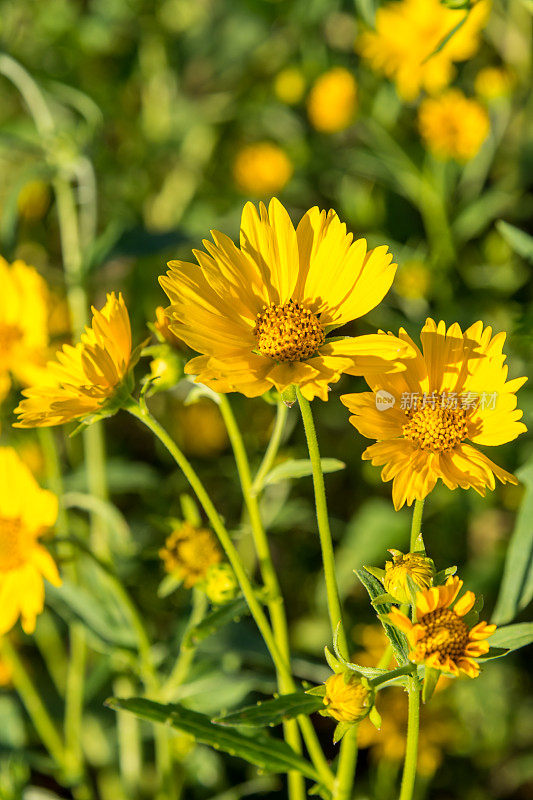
[74, 698]
[326, 542]
[186, 657]
[347, 764]
[416, 523]
[37, 712]
[408, 669]
[272, 449]
[33, 97]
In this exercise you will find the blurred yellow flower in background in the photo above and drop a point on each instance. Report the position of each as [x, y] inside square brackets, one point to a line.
[33, 200]
[5, 672]
[409, 31]
[221, 583]
[455, 390]
[83, 379]
[289, 85]
[453, 126]
[440, 638]
[259, 314]
[332, 101]
[189, 552]
[23, 324]
[262, 169]
[200, 429]
[413, 280]
[26, 512]
[493, 82]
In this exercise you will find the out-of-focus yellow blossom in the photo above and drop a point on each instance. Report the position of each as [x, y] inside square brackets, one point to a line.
[189, 552]
[419, 568]
[493, 82]
[200, 429]
[26, 512]
[407, 32]
[30, 452]
[289, 85]
[332, 101]
[453, 126]
[412, 280]
[348, 698]
[220, 583]
[262, 169]
[85, 378]
[23, 324]
[374, 641]
[33, 200]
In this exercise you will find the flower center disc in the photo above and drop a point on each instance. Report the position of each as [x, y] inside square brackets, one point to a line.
[12, 541]
[436, 429]
[444, 633]
[288, 332]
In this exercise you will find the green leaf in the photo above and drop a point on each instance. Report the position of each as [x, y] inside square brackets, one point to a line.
[300, 468]
[395, 637]
[367, 672]
[215, 620]
[413, 589]
[519, 241]
[442, 576]
[472, 617]
[341, 729]
[168, 585]
[273, 712]
[516, 590]
[262, 750]
[513, 637]
[431, 678]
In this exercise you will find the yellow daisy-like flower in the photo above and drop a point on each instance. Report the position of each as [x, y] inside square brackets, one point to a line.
[189, 552]
[455, 390]
[85, 378]
[440, 638]
[262, 169]
[348, 698]
[332, 101]
[23, 324]
[26, 512]
[409, 31]
[259, 314]
[419, 568]
[453, 126]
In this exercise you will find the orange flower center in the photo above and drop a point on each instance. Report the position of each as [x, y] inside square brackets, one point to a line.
[436, 429]
[444, 633]
[13, 543]
[288, 332]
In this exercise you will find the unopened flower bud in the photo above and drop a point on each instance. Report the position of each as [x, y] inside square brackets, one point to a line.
[349, 697]
[420, 569]
[220, 584]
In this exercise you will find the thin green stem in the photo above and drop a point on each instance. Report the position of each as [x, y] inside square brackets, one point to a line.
[416, 523]
[179, 673]
[343, 786]
[272, 448]
[33, 97]
[29, 695]
[408, 669]
[74, 698]
[326, 542]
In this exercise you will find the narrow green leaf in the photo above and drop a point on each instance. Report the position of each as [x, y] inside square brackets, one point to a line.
[273, 712]
[262, 750]
[442, 576]
[215, 620]
[431, 678]
[516, 590]
[367, 672]
[300, 468]
[513, 636]
[519, 241]
[395, 637]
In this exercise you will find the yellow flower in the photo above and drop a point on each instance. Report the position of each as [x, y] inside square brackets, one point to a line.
[220, 583]
[440, 638]
[456, 390]
[189, 552]
[199, 428]
[413, 280]
[348, 697]
[26, 512]
[332, 101]
[409, 31]
[493, 82]
[260, 314]
[33, 200]
[419, 568]
[262, 169]
[23, 324]
[289, 85]
[453, 126]
[85, 378]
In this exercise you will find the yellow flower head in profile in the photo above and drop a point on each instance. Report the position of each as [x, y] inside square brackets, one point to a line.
[259, 314]
[408, 32]
[189, 552]
[332, 101]
[493, 82]
[26, 512]
[262, 169]
[415, 565]
[453, 391]
[440, 638]
[348, 697]
[23, 324]
[85, 378]
[453, 126]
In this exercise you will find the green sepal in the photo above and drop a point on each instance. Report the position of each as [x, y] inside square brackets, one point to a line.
[333, 663]
[431, 678]
[168, 585]
[317, 691]
[288, 395]
[442, 576]
[383, 598]
[341, 729]
[377, 572]
[413, 591]
[375, 718]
